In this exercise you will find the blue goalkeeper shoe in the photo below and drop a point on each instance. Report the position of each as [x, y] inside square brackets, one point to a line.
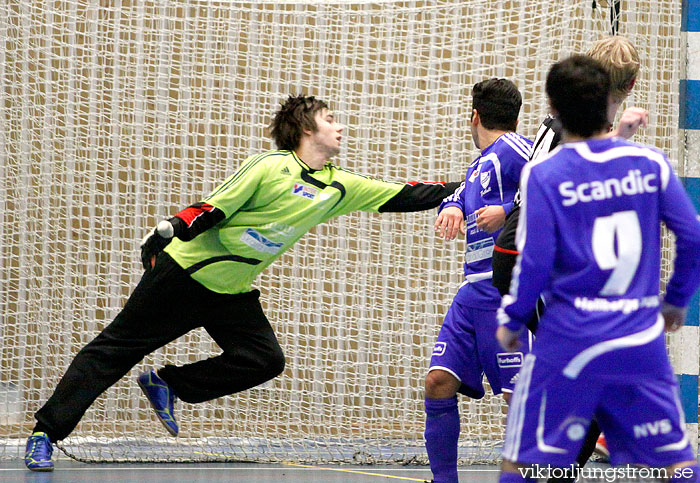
[38, 454]
[161, 397]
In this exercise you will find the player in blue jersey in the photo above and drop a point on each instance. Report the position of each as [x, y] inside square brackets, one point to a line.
[620, 59]
[466, 348]
[589, 237]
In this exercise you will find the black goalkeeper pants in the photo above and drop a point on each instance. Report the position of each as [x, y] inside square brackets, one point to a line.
[166, 304]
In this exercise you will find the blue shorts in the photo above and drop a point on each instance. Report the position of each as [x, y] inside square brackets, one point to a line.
[467, 348]
[641, 417]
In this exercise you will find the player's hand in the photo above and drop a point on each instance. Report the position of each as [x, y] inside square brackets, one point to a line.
[154, 242]
[508, 339]
[490, 218]
[674, 317]
[449, 222]
[631, 120]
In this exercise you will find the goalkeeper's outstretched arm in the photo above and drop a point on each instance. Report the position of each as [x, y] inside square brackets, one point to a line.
[419, 196]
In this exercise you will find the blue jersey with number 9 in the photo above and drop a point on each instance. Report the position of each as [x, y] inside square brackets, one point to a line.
[589, 237]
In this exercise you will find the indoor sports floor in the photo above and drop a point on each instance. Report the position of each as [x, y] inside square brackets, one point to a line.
[73, 471]
[69, 471]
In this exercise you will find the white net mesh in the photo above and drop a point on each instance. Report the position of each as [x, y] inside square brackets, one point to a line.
[117, 114]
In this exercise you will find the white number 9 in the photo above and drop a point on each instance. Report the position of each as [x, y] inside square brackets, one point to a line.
[624, 227]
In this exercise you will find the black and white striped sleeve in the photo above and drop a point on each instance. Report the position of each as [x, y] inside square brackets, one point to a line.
[547, 138]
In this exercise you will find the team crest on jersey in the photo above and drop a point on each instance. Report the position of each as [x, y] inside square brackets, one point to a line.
[485, 179]
[304, 191]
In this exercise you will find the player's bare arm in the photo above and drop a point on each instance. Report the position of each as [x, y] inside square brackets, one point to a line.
[674, 317]
[449, 222]
[631, 120]
[508, 339]
[490, 218]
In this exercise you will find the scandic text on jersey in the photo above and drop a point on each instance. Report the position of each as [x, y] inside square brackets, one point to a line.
[632, 184]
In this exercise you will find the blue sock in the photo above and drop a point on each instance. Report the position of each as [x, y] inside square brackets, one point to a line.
[441, 438]
[687, 474]
[514, 478]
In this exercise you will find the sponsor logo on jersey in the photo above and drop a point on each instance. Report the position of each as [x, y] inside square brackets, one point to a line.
[662, 426]
[509, 359]
[633, 184]
[439, 348]
[285, 171]
[625, 306]
[479, 250]
[257, 242]
[304, 191]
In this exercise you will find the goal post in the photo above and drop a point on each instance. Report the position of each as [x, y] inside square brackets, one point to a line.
[117, 115]
[684, 345]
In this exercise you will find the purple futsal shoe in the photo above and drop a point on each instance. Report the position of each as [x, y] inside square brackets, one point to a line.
[161, 397]
[38, 454]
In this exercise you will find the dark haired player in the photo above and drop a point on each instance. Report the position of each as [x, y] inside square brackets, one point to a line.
[589, 236]
[201, 263]
[466, 348]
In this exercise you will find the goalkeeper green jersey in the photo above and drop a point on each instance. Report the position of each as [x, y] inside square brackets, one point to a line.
[268, 204]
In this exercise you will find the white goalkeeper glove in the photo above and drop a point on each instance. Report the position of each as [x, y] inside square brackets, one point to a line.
[154, 242]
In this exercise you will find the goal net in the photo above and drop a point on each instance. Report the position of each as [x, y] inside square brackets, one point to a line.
[115, 115]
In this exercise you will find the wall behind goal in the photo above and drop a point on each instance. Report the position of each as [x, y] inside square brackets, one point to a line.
[117, 114]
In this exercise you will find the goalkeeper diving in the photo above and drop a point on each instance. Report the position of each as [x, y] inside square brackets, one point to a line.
[201, 264]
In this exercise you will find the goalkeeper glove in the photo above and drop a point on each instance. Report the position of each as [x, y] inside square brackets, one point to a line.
[154, 242]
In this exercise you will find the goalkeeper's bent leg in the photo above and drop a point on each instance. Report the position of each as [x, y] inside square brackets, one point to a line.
[251, 354]
[144, 324]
